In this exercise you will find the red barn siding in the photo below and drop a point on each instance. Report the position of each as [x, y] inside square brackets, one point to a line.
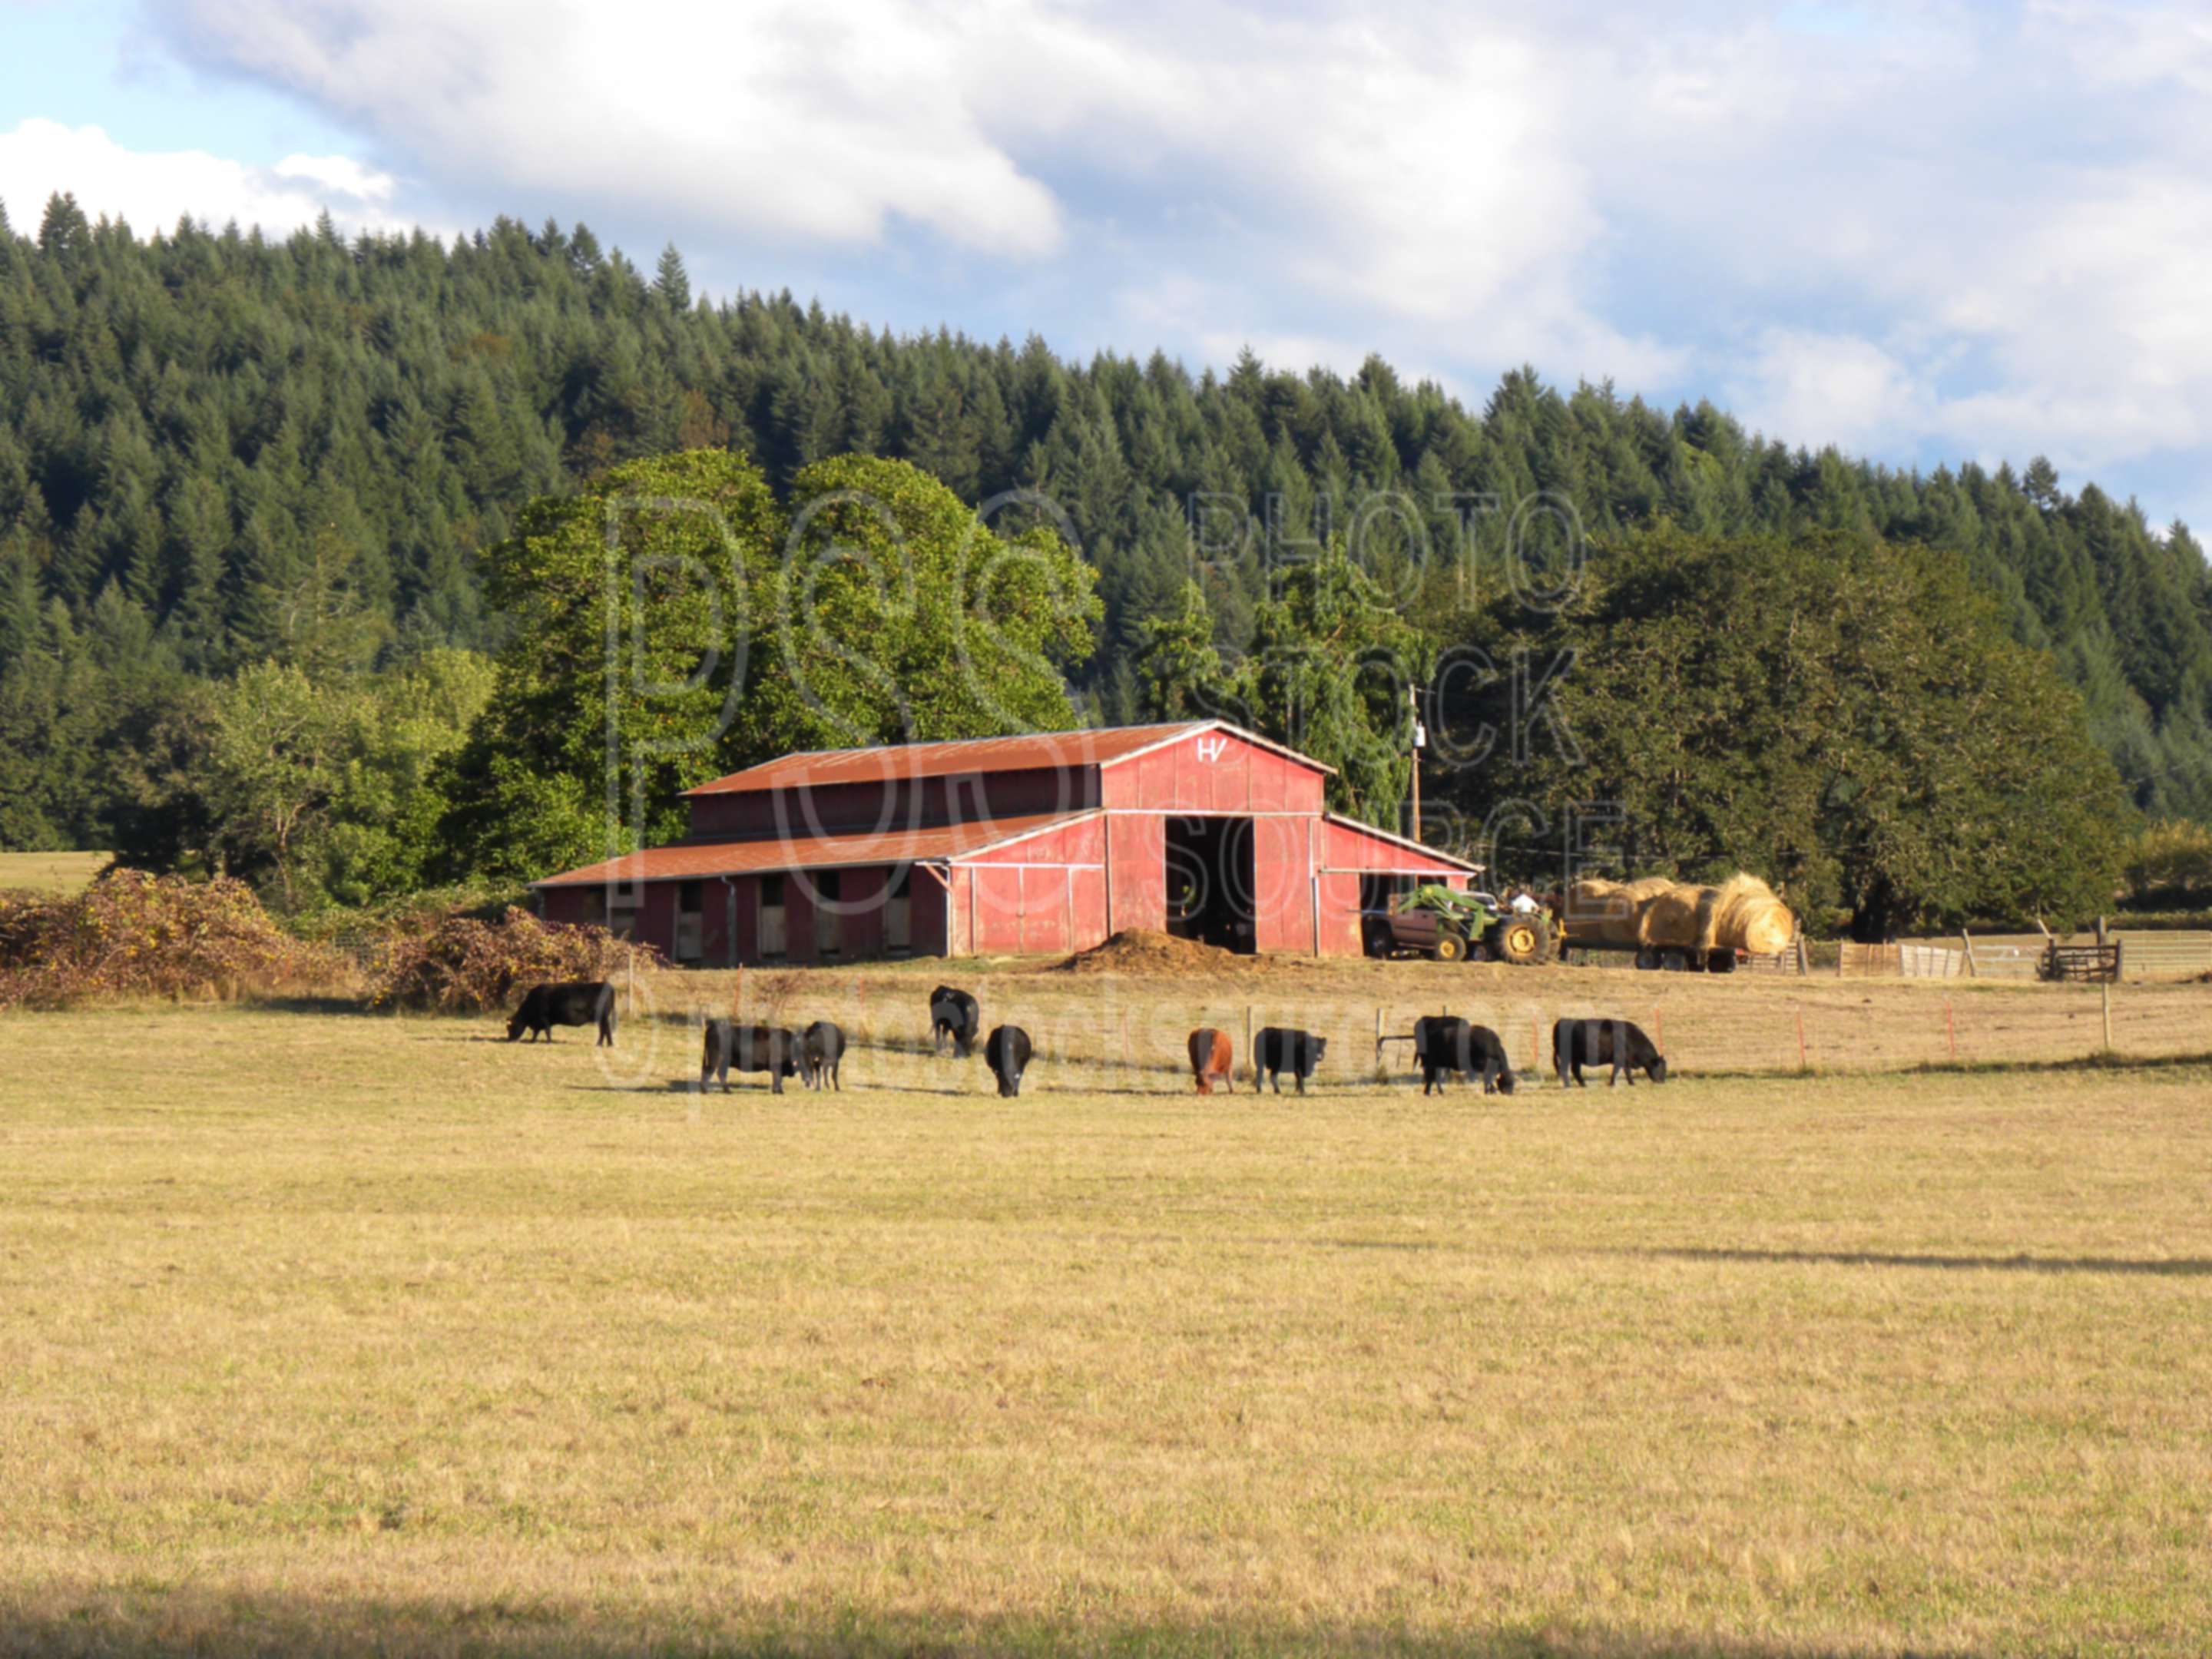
[1022, 910]
[862, 909]
[798, 918]
[1282, 908]
[1348, 847]
[1339, 913]
[1138, 878]
[748, 937]
[1043, 894]
[897, 803]
[656, 917]
[714, 924]
[1211, 772]
[570, 904]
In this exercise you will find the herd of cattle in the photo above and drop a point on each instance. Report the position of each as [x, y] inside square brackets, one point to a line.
[1444, 1046]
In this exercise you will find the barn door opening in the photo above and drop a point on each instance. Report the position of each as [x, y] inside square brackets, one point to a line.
[1210, 881]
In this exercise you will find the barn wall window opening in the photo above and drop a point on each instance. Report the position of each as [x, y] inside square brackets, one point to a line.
[774, 942]
[690, 921]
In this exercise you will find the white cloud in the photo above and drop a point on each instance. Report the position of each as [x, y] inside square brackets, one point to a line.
[1888, 225]
[153, 189]
[1818, 389]
[1410, 174]
[792, 120]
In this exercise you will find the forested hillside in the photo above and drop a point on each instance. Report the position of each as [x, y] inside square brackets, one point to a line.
[219, 451]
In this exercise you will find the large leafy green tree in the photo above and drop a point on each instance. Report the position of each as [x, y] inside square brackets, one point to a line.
[1328, 672]
[895, 613]
[670, 623]
[624, 600]
[1848, 718]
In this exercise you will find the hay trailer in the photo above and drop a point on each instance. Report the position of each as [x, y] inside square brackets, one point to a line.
[1678, 927]
[1664, 959]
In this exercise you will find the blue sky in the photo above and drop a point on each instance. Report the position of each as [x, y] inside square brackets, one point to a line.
[1925, 232]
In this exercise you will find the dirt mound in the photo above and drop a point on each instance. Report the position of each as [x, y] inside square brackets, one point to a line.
[1146, 950]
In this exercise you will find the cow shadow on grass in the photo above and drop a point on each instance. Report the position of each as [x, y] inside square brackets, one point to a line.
[690, 1086]
[359, 1007]
[139, 1623]
[2152, 1266]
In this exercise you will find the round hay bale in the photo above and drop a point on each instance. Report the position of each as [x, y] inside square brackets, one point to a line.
[1748, 916]
[1601, 912]
[1679, 918]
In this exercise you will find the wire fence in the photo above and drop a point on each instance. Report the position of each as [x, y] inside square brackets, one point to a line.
[1101, 1034]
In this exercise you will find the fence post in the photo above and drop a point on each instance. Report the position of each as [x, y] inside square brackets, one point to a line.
[2104, 997]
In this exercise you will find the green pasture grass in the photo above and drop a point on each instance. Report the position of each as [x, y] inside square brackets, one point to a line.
[50, 872]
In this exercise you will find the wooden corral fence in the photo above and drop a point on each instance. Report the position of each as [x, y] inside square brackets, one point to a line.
[2086, 964]
[1797, 959]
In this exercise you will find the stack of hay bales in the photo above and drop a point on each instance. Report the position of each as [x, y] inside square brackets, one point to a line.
[1742, 913]
[1601, 912]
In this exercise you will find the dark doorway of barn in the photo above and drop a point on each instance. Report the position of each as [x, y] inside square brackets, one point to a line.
[1210, 882]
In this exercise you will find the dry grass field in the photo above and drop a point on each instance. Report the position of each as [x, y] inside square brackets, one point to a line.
[50, 872]
[376, 1334]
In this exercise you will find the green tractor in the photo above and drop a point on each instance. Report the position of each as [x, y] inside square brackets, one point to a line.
[1451, 925]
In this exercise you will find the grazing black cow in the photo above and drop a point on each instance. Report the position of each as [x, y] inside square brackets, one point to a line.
[819, 1051]
[579, 1002]
[1447, 1046]
[1006, 1052]
[953, 1014]
[1616, 1044]
[770, 1048]
[1278, 1050]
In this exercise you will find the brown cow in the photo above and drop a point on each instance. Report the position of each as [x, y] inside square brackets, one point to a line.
[1211, 1058]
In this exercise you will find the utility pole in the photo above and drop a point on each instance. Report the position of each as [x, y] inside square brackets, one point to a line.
[1420, 739]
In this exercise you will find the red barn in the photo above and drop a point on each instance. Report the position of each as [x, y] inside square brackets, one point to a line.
[1007, 846]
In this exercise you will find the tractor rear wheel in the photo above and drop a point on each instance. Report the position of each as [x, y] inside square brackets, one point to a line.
[1521, 939]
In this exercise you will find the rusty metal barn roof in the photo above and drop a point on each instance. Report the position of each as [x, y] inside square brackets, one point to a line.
[1034, 751]
[698, 860]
